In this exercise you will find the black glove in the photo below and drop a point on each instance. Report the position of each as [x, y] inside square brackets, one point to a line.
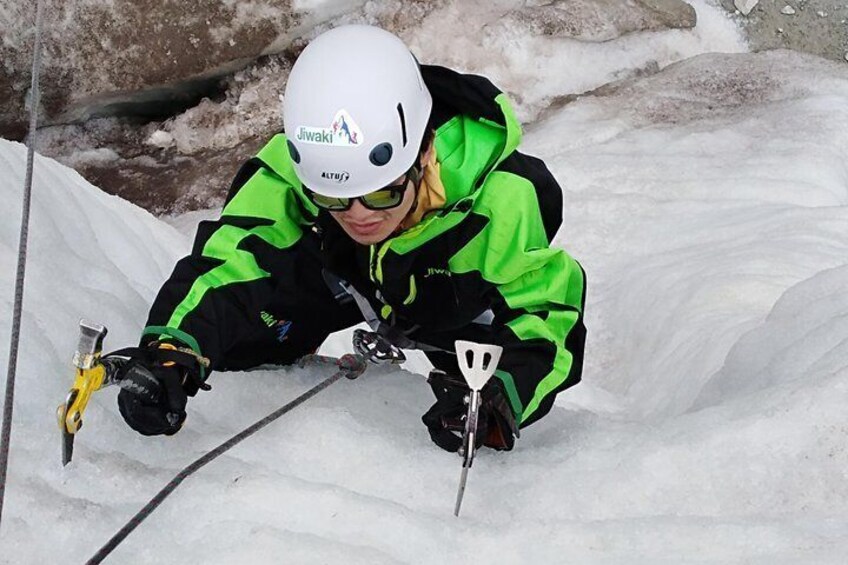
[445, 420]
[155, 390]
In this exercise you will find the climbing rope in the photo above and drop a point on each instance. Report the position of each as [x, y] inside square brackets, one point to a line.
[5, 434]
[349, 366]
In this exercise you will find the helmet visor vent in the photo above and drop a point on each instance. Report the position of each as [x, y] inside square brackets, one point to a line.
[402, 122]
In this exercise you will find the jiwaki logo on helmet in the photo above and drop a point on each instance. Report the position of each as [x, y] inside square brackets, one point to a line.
[340, 178]
[343, 132]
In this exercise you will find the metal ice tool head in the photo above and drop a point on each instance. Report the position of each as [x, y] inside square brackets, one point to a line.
[477, 362]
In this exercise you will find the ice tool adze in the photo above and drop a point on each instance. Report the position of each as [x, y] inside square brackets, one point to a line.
[477, 363]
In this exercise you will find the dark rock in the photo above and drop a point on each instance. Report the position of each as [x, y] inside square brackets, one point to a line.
[186, 157]
[148, 58]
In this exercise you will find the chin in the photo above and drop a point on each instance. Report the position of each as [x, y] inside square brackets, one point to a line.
[370, 239]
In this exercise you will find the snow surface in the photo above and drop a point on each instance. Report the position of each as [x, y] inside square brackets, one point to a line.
[709, 205]
[535, 68]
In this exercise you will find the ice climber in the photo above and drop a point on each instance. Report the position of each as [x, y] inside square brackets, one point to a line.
[397, 182]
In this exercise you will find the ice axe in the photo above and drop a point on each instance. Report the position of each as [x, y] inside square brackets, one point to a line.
[90, 376]
[477, 363]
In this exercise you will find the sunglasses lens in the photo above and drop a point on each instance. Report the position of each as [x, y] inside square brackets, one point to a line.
[382, 199]
[330, 202]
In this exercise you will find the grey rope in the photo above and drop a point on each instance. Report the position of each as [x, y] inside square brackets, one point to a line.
[349, 366]
[5, 435]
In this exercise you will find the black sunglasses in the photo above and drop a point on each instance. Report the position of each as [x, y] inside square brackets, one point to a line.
[383, 199]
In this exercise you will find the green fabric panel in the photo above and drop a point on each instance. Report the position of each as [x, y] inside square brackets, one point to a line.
[510, 196]
[238, 266]
[413, 291]
[556, 288]
[554, 329]
[180, 336]
[466, 149]
[276, 155]
[511, 393]
[514, 241]
[513, 126]
[557, 282]
[268, 197]
[381, 252]
[445, 141]
[265, 196]
[512, 253]
[174, 333]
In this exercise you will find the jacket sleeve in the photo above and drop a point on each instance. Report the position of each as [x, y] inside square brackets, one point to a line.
[214, 294]
[537, 294]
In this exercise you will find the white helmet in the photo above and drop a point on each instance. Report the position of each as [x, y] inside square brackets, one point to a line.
[356, 110]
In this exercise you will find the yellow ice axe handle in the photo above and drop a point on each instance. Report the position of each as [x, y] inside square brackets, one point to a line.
[87, 381]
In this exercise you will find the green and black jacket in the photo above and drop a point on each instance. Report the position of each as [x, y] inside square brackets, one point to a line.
[487, 251]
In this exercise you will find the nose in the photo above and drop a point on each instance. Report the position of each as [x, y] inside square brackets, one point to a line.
[358, 212]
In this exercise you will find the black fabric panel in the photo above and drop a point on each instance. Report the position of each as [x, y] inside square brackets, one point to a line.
[190, 268]
[175, 289]
[206, 228]
[528, 362]
[548, 191]
[575, 344]
[454, 93]
[344, 257]
[229, 325]
[225, 314]
[300, 315]
[247, 170]
[443, 302]
[585, 286]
